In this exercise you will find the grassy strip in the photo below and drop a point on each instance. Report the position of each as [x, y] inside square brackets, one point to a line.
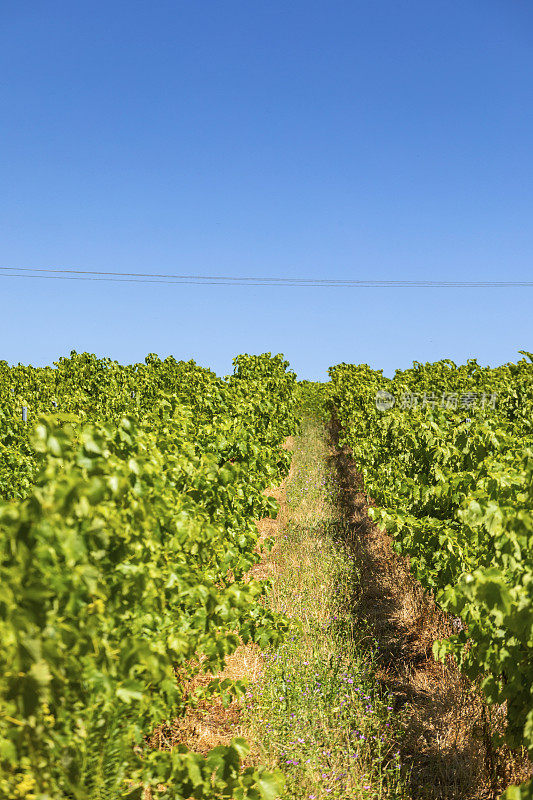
[317, 711]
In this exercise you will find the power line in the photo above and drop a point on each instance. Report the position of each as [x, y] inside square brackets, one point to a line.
[214, 280]
[176, 277]
[144, 280]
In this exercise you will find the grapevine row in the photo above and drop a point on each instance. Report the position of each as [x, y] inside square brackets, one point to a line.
[126, 532]
[454, 488]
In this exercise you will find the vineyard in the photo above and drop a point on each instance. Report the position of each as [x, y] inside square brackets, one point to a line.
[126, 529]
[450, 468]
[129, 497]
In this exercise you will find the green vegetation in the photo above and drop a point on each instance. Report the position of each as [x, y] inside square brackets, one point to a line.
[453, 484]
[313, 399]
[128, 509]
[125, 535]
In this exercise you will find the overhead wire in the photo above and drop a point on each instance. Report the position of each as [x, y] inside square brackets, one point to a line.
[53, 273]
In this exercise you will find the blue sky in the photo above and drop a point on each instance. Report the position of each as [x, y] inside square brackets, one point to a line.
[366, 140]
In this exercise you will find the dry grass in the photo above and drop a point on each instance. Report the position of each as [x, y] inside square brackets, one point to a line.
[211, 724]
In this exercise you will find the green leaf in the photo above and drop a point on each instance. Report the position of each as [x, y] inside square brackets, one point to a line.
[270, 785]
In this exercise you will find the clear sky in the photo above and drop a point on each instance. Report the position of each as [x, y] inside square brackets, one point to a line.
[386, 139]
